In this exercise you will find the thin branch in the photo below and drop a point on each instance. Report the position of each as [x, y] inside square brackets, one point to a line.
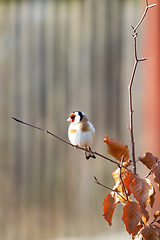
[135, 35]
[144, 14]
[102, 156]
[44, 130]
[155, 220]
[149, 173]
[120, 175]
[97, 182]
[61, 139]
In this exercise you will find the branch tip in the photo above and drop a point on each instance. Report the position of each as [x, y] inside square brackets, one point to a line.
[95, 179]
[142, 59]
[152, 5]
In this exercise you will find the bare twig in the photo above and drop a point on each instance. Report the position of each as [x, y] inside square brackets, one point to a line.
[149, 173]
[96, 181]
[144, 14]
[155, 220]
[135, 35]
[120, 175]
[44, 130]
[61, 139]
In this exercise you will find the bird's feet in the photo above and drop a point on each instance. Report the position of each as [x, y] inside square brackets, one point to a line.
[75, 147]
[89, 154]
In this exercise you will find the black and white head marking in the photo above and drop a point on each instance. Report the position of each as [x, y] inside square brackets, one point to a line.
[80, 114]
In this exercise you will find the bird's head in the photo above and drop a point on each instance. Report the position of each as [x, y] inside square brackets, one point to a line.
[77, 116]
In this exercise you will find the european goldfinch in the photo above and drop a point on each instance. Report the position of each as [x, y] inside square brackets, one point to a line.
[81, 132]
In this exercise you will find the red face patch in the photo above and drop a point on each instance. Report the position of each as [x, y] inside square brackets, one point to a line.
[72, 116]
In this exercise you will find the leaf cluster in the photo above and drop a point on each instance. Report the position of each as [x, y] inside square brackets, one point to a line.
[133, 192]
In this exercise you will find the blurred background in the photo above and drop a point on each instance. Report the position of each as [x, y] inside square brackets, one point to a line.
[56, 57]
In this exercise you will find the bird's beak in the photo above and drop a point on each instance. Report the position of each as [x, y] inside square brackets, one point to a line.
[69, 119]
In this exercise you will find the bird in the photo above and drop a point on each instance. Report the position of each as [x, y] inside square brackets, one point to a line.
[81, 132]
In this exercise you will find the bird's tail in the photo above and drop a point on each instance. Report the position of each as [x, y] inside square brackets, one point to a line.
[89, 154]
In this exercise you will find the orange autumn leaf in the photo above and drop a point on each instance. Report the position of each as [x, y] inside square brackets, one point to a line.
[119, 187]
[121, 196]
[157, 228]
[109, 205]
[145, 216]
[148, 159]
[141, 189]
[151, 199]
[131, 216]
[150, 233]
[136, 231]
[156, 172]
[117, 149]
[116, 174]
[127, 181]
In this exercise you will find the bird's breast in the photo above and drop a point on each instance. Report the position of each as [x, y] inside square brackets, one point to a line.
[81, 134]
[72, 130]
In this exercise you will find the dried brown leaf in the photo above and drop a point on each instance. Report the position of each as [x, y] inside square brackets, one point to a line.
[156, 172]
[150, 233]
[148, 159]
[141, 189]
[145, 216]
[151, 199]
[121, 196]
[116, 174]
[128, 180]
[117, 149]
[136, 231]
[157, 229]
[131, 216]
[109, 205]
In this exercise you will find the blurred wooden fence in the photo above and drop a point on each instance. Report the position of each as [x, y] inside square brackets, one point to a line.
[57, 57]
